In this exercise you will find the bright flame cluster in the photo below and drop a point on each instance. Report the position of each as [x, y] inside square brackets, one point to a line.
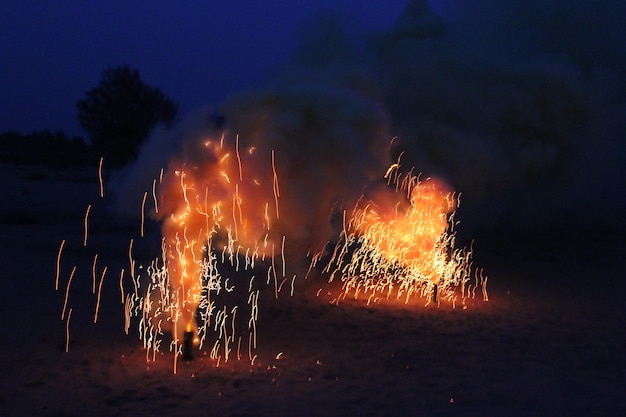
[214, 218]
[405, 249]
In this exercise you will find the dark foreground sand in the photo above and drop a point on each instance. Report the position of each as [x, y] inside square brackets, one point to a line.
[550, 341]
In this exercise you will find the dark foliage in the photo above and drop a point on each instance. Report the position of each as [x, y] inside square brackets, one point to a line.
[119, 113]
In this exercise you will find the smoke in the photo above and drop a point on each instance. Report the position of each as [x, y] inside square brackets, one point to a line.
[330, 143]
[532, 96]
[517, 105]
[131, 182]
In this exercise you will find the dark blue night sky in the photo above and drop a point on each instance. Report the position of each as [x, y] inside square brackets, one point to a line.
[196, 53]
[521, 106]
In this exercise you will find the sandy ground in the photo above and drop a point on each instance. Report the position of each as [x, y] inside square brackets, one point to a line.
[551, 339]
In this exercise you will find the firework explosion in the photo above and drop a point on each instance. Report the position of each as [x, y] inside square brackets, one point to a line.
[399, 248]
[218, 204]
[216, 220]
[398, 243]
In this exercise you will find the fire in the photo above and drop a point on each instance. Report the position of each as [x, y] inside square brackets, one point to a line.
[409, 236]
[403, 247]
[215, 212]
[218, 204]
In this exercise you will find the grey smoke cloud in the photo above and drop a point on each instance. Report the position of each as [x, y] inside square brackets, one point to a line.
[518, 106]
[330, 144]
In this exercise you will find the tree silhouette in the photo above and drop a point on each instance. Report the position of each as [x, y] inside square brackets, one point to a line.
[53, 149]
[119, 113]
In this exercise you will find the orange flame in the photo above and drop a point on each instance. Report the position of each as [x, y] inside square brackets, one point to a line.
[210, 204]
[409, 237]
[402, 246]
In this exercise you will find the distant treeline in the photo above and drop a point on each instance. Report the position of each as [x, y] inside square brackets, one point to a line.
[44, 147]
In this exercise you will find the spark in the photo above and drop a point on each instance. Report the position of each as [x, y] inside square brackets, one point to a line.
[131, 262]
[238, 157]
[154, 196]
[143, 211]
[250, 348]
[67, 331]
[282, 255]
[175, 342]
[56, 281]
[391, 169]
[67, 292]
[280, 287]
[272, 270]
[122, 285]
[275, 185]
[128, 306]
[86, 225]
[100, 177]
[93, 274]
[95, 317]
[293, 281]
[184, 188]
